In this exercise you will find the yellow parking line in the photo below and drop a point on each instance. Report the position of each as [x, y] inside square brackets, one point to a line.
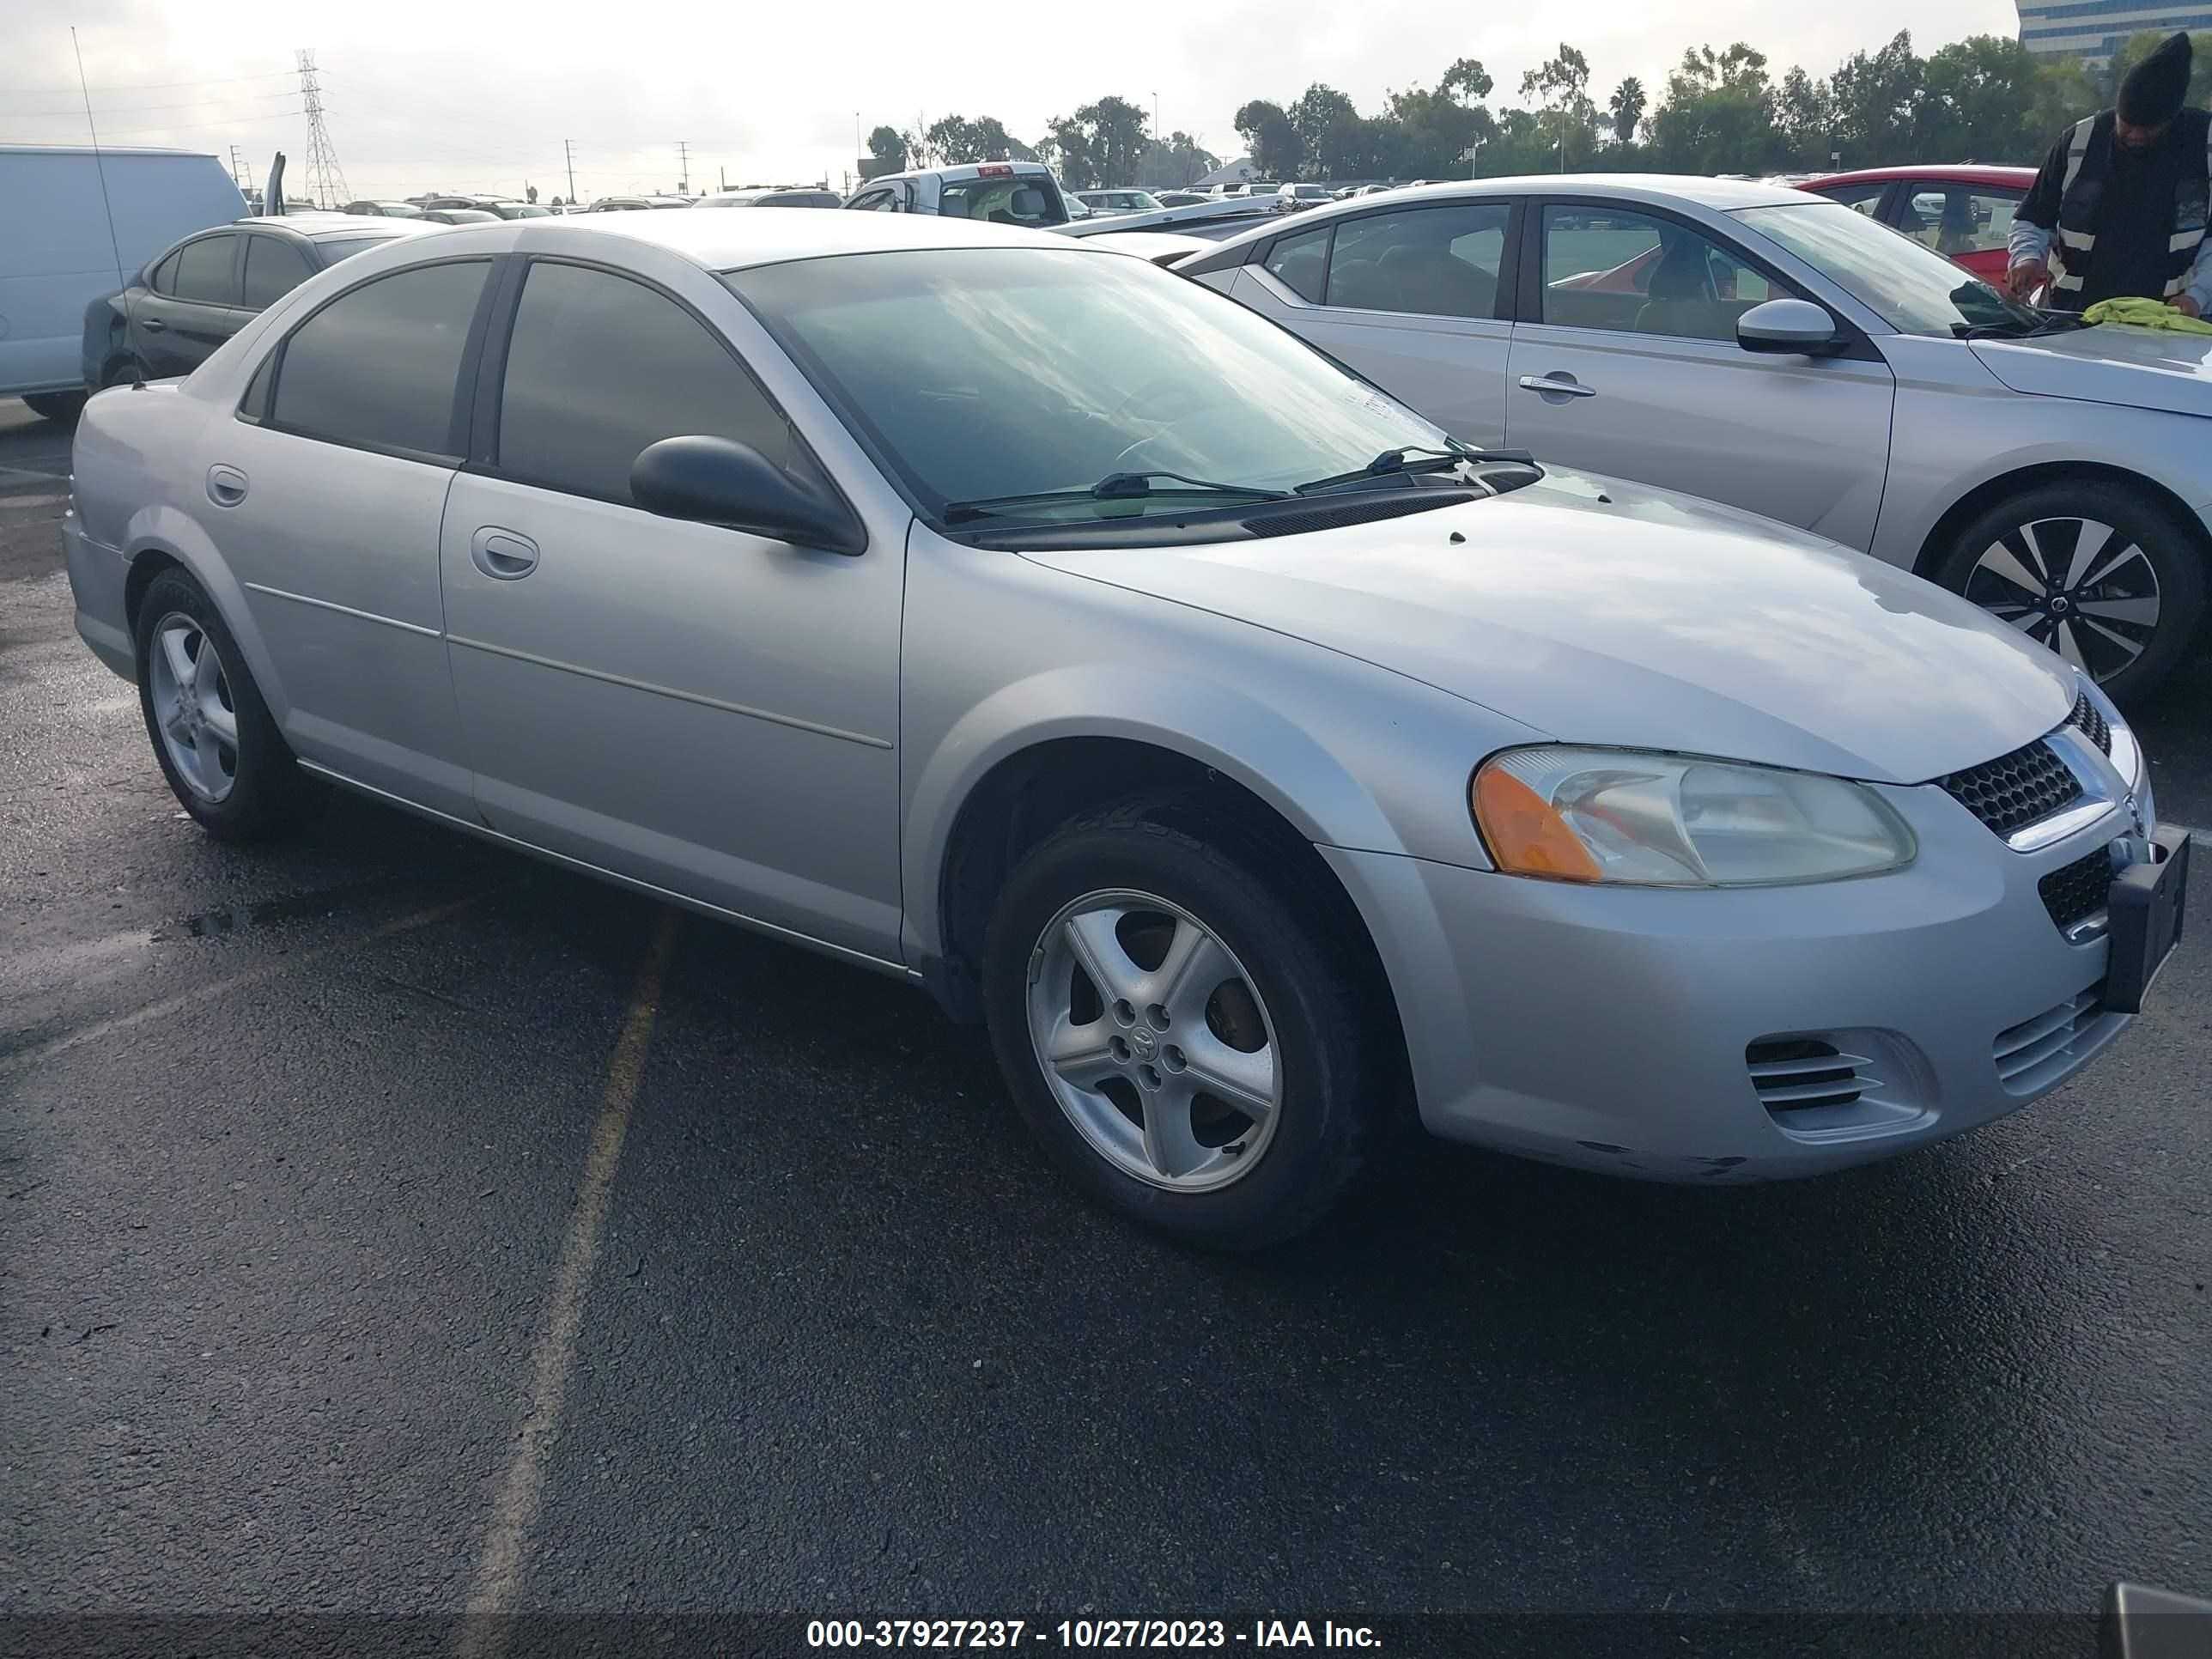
[521, 1491]
[199, 994]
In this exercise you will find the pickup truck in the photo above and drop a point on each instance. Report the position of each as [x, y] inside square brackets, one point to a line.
[1026, 193]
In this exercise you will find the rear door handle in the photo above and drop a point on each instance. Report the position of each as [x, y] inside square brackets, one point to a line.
[226, 485]
[1558, 383]
[503, 555]
[152, 325]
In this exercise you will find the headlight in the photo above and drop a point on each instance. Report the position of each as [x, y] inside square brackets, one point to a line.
[1620, 815]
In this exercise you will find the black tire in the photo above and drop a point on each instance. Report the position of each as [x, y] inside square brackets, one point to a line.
[2172, 557]
[61, 407]
[268, 792]
[1339, 1078]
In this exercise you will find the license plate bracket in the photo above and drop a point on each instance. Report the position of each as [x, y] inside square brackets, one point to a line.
[2147, 905]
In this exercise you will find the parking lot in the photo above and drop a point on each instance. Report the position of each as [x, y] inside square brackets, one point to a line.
[390, 1224]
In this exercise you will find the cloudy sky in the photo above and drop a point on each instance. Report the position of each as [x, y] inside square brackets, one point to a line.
[445, 96]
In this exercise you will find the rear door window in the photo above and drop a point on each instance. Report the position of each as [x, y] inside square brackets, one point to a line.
[1431, 261]
[273, 268]
[205, 272]
[1300, 264]
[379, 368]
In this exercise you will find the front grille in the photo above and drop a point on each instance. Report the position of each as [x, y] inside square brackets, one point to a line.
[2074, 892]
[2085, 719]
[1796, 1074]
[2014, 790]
[2036, 1053]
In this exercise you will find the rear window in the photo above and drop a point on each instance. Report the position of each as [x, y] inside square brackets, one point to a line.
[1028, 198]
[809, 199]
[335, 248]
[273, 268]
[203, 270]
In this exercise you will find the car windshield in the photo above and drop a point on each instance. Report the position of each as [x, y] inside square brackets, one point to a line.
[1913, 289]
[981, 374]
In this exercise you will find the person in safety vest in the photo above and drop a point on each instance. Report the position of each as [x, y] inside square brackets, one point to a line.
[2119, 209]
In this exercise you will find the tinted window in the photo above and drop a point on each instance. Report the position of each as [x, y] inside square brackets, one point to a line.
[600, 367]
[335, 248]
[1953, 218]
[1301, 263]
[164, 279]
[875, 201]
[273, 268]
[1439, 262]
[1023, 199]
[203, 270]
[1860, 199]
[378, 366]
[1667, 279]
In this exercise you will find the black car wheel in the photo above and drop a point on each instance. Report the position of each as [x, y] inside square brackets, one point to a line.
[62, 407]
[2108, 579]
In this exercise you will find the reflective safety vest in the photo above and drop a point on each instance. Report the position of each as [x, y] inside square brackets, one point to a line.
[2089, 164]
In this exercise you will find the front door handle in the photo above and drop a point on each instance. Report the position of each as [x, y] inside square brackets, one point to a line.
[505, 556]
[1558, 383]
[152, 325]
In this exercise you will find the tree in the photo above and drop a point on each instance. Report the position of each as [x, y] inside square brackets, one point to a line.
[1174, 163]
[1436, 129]
[957, 141]
[887, 145]
[1562, 82]
[1100, 144]
[1718, 113]
[1333, 142]
[1804, 116]
[1626, 108]
[1266, 131]
[1877, 100]
[1977, 102]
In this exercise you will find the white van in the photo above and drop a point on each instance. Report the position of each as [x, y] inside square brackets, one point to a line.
[56, 257]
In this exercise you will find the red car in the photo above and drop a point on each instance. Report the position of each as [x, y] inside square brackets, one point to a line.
[1964, 211]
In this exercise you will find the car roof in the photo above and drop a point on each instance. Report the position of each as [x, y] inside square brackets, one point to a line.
[1963, 172]
[325, 222]
[1631, 189]
[761, 236]
[967, 170]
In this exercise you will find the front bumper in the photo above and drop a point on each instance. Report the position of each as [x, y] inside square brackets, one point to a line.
[1608, 1028]
[97, 576]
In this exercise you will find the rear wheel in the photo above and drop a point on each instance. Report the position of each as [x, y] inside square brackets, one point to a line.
[59, 406]
[1192, 1046]
[214, 739]
[2109, 581]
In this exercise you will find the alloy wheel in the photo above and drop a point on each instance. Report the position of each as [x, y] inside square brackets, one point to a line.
[1154, 1040]
[2075, 585]
[193, 707]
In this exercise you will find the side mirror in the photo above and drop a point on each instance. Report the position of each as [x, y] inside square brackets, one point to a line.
[1787, 326]
[717, 480]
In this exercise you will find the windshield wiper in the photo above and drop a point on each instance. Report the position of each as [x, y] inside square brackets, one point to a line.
[1114, 487]
[2048, 322]
[1412, 459]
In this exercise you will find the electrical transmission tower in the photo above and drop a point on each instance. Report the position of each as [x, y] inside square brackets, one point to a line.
[325, 181]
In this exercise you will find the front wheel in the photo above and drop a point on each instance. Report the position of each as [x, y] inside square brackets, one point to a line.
[60, 407]
[2109, 581]
[1191, 1045]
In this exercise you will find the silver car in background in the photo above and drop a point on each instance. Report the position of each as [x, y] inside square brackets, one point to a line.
[1255, 764]
[1758, 346]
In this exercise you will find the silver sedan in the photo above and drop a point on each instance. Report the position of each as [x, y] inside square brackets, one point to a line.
[1252, 762]
[1780, 352]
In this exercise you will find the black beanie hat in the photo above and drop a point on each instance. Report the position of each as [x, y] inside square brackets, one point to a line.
[2153, 93]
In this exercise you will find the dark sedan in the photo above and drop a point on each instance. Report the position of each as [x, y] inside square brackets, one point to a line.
[196, 294]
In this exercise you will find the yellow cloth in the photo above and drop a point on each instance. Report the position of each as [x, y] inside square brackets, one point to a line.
[2146, 313]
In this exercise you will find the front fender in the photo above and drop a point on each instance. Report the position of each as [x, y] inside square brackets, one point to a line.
[1347, 753]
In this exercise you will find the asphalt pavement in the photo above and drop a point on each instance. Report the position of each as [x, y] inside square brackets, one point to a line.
[391, 1225]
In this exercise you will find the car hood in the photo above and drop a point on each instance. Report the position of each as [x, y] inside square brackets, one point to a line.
[1601, 612]
[2140, 367]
